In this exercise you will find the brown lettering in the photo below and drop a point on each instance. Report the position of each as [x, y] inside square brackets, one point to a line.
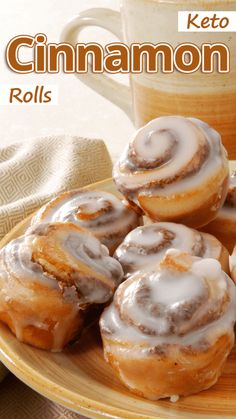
[151, 53]
[12, 54]
[187, 50]
[14, 94]
[67, 52]
[205, 22]
[40, 53]
[118, 58]
[217, 50]
[94, 50]
[222, 24]
[191, 20]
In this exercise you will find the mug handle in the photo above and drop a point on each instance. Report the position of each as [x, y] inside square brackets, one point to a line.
[108, 19]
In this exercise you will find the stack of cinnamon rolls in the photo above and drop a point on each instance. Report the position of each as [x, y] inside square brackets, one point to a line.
[153, 264]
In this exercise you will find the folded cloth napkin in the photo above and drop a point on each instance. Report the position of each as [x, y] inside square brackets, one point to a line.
[33, 171]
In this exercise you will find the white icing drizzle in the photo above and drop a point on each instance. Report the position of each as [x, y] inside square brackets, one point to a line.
[228, 211]
[166, 306]
[148, 244]
[105, 215]
[177, 140]
[88, 250]
[16, 259]
[79, 245]
[24, 281]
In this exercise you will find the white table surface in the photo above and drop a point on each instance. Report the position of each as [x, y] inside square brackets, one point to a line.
[80, 110]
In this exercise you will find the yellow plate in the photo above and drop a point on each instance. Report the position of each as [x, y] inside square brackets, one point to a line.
[80, 379]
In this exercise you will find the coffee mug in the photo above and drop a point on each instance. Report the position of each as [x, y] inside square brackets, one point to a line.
[210, 97]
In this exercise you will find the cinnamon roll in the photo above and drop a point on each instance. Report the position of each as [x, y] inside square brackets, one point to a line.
[169, 330]
[175, 169]
[49, 280]
[224, 225]
[105, 215]
[147, 245]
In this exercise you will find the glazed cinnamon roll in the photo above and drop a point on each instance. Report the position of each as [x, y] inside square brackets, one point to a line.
[169, 330]
[105, 215]
[224, 225]
[175, 169]
[147, 245]
[50, 279]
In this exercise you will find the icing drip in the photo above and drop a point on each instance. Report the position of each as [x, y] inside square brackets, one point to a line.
[148, 244]
[160, 160]
[51, 276]
[16, 257]
[184, 300]
[88, 263]
[90, 252]
[105, 215]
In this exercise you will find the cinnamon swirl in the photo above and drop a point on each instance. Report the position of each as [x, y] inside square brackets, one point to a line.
[175, 169]
[49, 280]
[147, 245]
[105, 215]
[170, 329]
[224, 225]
